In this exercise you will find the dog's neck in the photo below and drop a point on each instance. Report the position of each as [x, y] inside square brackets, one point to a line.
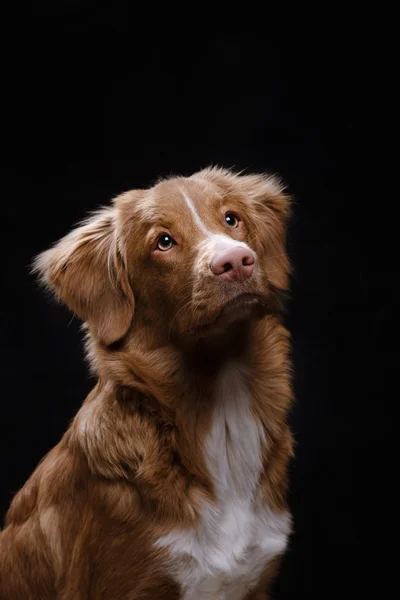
[155, 404]
[164, 366]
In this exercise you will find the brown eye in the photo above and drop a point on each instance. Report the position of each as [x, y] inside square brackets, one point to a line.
[231, 220]
[165, 242]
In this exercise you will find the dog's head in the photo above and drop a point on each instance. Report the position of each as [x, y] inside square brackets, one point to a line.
[187, 257]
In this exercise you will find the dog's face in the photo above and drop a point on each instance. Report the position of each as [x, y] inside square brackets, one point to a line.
[190, 255]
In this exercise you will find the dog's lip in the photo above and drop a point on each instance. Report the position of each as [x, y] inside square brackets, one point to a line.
[239, 303]
[242, 300]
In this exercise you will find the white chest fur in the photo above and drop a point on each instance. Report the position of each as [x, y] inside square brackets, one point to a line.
[223, 557]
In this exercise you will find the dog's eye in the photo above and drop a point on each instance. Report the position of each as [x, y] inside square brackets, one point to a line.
[231, 220]
[165, 242]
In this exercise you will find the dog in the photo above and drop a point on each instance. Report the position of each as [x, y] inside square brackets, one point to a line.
[171, 481]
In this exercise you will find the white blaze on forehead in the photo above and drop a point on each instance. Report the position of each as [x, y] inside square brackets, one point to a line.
[195, 214]
[216, 241]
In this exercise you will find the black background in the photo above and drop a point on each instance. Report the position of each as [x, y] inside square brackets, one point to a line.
[100, 98]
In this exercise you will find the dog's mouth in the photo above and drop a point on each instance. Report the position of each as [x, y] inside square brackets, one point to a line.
[241, 307]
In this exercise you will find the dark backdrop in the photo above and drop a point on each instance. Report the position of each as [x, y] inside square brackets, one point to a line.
[98, 100]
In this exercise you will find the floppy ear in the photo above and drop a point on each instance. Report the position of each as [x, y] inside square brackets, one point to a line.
[85, 270]
[271, 211]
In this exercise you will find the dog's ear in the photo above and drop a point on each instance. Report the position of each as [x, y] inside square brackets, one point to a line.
[272, 206]
[271, 211]
[263, 189]
[86, 270]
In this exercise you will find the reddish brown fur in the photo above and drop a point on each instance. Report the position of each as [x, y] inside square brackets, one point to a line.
[130, 467]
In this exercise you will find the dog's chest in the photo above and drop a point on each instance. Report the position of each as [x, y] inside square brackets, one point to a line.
[224, 556]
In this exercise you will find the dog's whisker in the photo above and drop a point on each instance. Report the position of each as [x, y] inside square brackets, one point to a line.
[176, 314]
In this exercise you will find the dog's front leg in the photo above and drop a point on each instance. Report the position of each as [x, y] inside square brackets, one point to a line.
[262, 591]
